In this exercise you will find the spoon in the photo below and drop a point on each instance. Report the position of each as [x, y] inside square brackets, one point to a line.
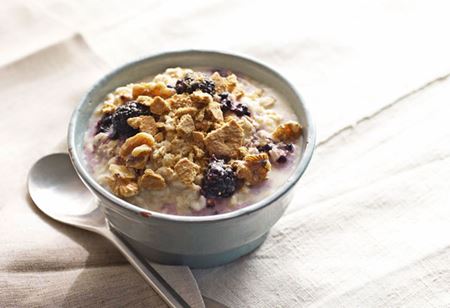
[59, 193]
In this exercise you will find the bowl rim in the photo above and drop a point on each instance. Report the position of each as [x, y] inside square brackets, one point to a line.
[123, 204]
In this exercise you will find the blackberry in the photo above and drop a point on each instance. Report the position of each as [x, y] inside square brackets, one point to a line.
[219, 180]
[264, 148]
[207, 86]
[121, 129]
[227, 104]
[241, 110]
[189, 85]
[184, 85]
[282, 159]
[104, 124]
[288, 147]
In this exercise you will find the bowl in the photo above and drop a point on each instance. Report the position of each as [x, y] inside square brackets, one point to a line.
[196, 241]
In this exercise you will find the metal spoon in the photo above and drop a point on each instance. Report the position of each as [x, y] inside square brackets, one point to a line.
[59, 193]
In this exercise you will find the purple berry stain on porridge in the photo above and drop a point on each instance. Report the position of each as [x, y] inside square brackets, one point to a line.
[192, 142]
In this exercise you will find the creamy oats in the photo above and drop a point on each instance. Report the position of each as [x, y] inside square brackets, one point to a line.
[193, 142]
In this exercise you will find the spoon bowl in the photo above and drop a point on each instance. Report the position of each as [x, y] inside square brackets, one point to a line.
[59, 193]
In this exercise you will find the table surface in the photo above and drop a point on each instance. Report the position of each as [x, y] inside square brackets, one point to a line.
[370, 222]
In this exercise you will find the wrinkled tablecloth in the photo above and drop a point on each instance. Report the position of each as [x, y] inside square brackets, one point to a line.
[370, 222]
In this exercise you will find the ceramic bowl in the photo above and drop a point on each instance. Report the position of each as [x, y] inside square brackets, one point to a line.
[187, 240]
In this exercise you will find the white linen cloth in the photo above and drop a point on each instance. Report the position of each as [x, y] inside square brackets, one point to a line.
[370, 223]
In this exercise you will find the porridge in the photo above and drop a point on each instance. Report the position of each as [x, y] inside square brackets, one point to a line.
[192, 142]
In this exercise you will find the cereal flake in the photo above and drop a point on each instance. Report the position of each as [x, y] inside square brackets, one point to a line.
[152, 181]
[186, 171]
[226, 140]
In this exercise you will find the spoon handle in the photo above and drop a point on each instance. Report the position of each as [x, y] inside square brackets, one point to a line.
[150, 275]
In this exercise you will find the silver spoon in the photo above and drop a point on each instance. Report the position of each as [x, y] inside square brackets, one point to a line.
[58, 192]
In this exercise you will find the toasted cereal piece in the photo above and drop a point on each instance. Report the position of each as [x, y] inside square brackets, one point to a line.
[231, 82]
[161, 89]
[243, 151]
[248, 128]
[159, 106]
[152, 181]
[185, 125]
[198, 138]
[204, 125]
[139, 157]
[224, 84]
[122, 181]
[122, 172]
[169, 160]
[186, 110]
[226, 140]
[122, 95]
[137, 162]
[288, 131]
[167, 173]
[125, 188]
[219, 82]
[159, 137]
[170, 135]
[200, 98]
[141, 150]
[139, 89]
[241, 169]
[144, 100]
[108, 107]
[135, 141]
[259, 165]
[198, 152]
[254, 169]
[181, 146]
[215, 111]
[146, 124]
[179, 101]
[152, 89]
[186, 171]
[200, 116]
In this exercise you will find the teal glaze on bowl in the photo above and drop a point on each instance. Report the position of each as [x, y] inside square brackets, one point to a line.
[196, 241]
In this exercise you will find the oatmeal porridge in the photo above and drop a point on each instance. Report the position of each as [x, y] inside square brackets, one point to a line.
[193, 142]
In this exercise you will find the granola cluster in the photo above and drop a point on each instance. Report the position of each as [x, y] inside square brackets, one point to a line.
[191, 131]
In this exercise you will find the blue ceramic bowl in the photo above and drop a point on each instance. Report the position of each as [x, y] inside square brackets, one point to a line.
[195, 241]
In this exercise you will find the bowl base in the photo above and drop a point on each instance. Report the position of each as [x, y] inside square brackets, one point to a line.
[195, 261]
